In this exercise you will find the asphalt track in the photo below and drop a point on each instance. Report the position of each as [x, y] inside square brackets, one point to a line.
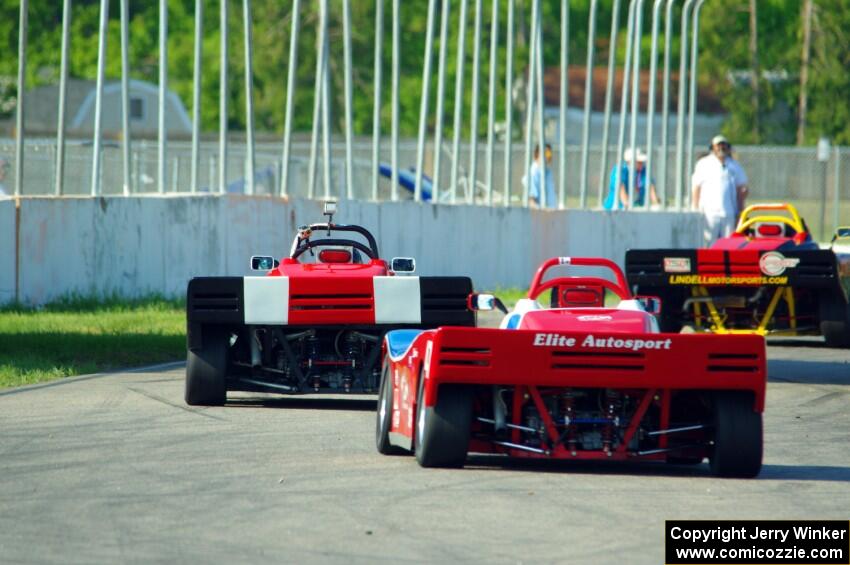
[116, 468]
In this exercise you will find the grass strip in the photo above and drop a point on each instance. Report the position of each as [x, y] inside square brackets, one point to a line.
[76, 336]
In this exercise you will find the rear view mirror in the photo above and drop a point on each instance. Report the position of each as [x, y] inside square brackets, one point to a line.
[403, 264]
[841, 233]
[485, 302]
[651, 304]
[263, 263]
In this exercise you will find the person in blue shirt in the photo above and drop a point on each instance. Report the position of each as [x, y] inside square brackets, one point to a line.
[534, 189]
[618, 186]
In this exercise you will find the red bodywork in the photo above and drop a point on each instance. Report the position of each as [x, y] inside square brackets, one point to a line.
[769, 277]
[558, 355]
[331, 293]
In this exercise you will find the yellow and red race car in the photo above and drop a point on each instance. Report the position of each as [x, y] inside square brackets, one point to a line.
[769, 278]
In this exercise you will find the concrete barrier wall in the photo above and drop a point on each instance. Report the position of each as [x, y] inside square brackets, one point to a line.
[7, 250]
[142, 245]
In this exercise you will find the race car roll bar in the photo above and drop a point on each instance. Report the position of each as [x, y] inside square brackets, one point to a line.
[305, 231]
[747, 219]
[620, 288]
[307, 245]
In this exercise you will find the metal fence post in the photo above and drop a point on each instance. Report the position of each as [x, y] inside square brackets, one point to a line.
[317, 100]
[473, 112]
[98, 101]
[223, 96]
[125, 94]
[249, 94]
[346, 25]
[326, 103]
[564, 103]
[509, 115]
[163, 87]
[292, 72]
[588, 100]
[395, 98]
[609, 99]
[635, 100]
[692, 102]
[836, 204]
[665, 100]
[423, 103]
[376, 102]
[458, 115]
[680, 119]
[22, 83]
[441, 90]
[491, 100]
[196, 93]
[541, 117]
[650, 103]
[621, 134]
[63, 95]
[529, 107]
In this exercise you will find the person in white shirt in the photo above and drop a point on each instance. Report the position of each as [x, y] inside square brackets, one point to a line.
[719, 190]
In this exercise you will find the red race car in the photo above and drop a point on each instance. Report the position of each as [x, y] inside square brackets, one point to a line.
[314, 321]
[769, 278]
[576, 380]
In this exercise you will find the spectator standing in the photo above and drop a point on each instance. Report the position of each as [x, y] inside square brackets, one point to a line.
[618, 186]
[719, 190]
[534, 190]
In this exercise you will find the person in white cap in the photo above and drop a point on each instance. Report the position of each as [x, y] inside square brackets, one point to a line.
[719, 189]
[618, 186]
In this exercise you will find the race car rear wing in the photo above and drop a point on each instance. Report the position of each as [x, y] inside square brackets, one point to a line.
[391, 301]
[653, 268]
[596, 360]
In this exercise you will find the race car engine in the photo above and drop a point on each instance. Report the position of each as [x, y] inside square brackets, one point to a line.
[314, 360]
[587, 419]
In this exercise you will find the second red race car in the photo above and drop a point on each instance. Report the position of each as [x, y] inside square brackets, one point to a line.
[312, 322]
[575, 380]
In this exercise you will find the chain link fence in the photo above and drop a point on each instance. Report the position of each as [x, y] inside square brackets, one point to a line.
[819, 189]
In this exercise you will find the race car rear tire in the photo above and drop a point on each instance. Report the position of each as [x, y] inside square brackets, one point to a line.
[836, 334]
[442, 431]
[385, 414]
[738, 443]
[206, 370]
